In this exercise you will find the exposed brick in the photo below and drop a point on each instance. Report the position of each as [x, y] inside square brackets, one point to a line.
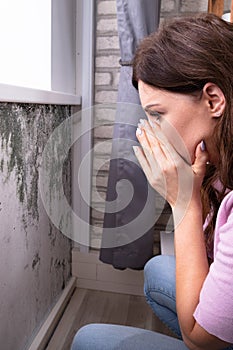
[168, 6]
[96, 242]
[102, 78]
[193, 6]
[116, 78]
[103, 132]
[100, 181]
[100, 164]
[107, 25]
[106, 97]
[97, 214]
[97, 223]
[96, 230]
[103, 148]
[98, 196]
[100, 207]
[107, 43]
[107, 8]
[105, 114]
[110, 61]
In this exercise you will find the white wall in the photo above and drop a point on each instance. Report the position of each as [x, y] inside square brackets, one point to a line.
[34, 255]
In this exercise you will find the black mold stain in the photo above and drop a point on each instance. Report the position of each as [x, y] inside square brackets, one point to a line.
[36, 261]
[24, 131]
[52, 234]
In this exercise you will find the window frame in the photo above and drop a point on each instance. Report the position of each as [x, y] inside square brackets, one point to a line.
[86, 70]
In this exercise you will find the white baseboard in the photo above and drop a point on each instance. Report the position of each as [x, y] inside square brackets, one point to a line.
[91, 273]
[48, 327]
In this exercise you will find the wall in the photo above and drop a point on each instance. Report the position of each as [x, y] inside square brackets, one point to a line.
[34, 256]
[106, 84]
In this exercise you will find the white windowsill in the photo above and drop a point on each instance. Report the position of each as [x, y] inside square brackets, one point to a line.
[11, 93]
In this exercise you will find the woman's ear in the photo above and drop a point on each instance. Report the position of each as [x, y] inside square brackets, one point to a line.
[215, 98]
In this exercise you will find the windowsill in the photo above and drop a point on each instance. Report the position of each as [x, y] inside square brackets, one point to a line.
[11, 93]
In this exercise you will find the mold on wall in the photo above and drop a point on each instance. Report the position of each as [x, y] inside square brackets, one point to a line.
[24, 130]
[34, 256]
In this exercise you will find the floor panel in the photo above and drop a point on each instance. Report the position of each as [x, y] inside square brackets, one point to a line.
[91, 306]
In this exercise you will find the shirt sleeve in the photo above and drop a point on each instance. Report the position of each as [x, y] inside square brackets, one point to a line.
[215, 309]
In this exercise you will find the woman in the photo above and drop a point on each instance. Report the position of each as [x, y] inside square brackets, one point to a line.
[184, 74]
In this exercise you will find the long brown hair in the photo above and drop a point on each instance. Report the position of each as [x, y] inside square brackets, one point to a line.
[182, 57]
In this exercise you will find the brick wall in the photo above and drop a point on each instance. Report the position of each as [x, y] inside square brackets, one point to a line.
[106, 84]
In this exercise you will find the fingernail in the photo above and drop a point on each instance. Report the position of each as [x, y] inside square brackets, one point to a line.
[139, 131]
[203, 146]
[135, 148]
[142, 122]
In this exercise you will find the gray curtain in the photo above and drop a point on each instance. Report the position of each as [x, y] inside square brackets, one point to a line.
[130, 211]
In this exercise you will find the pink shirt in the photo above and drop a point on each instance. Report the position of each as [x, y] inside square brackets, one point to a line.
[215, 309]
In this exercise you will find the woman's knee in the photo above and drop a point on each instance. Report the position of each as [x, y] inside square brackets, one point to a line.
[83, 338]
[112, 337]
[98, 336]
[159, 275]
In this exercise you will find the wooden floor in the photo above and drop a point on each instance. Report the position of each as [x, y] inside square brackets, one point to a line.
[91, 306]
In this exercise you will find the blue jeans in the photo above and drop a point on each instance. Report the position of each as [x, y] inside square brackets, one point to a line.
[114, 337]
[160, 293]
[160, 290]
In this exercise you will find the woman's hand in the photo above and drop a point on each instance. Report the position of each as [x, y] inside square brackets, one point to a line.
[180, 183]
[166, 170]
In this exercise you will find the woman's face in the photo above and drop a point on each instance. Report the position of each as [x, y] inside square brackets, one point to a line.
[182, 118]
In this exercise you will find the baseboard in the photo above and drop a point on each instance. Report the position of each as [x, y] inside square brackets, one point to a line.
[48, 327]
[91, 273]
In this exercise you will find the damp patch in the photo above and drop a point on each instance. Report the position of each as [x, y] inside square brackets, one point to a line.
[24, 131]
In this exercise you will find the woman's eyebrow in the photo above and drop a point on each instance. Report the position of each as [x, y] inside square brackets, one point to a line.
[146, 108]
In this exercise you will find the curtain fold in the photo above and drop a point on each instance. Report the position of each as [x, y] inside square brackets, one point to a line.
[130, 211]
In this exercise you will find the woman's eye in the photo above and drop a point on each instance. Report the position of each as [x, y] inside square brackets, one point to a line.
[154, 114]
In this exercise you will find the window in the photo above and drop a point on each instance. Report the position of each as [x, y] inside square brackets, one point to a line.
[25, 38]
[39, 51]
